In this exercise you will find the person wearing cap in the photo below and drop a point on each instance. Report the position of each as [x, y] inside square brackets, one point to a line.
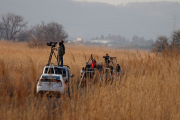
[61, 52]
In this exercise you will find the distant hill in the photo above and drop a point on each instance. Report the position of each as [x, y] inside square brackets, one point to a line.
[88, 19]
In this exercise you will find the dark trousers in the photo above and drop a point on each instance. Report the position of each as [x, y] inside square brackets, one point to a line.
[60, 59]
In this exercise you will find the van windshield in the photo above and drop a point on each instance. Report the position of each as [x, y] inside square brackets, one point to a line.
[60, 71]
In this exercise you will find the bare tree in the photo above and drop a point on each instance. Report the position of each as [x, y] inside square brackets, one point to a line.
[42, 33]
[54, 32]
[23, 36]
[1, 30]
[48, 32]
[176, 39]
[161, 43]
[36, 33]
[12, 25]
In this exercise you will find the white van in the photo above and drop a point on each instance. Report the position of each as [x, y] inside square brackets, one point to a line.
[54, 80]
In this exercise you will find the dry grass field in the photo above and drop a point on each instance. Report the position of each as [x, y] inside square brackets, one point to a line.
[149, 89]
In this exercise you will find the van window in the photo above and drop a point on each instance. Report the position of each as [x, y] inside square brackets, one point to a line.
[51, 77]
[60, 71]
[88, 66]
[51, 71]
[50, 80]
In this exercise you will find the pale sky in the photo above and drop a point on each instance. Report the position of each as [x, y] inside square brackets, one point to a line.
[116, 2]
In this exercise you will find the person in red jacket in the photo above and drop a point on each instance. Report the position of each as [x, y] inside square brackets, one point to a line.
[93, 63]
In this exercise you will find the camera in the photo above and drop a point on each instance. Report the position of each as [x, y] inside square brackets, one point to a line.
[112, 58]
[53, 44]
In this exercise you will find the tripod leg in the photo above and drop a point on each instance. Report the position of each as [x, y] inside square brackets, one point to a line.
[81, 80]
[119, 78]
[58, 60]
[50, 56]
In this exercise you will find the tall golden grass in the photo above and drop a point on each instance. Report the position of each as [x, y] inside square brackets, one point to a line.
[149, 89]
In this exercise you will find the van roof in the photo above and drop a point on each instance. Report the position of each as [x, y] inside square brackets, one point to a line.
[56, 67]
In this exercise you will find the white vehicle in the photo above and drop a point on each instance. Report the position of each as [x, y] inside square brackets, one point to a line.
[54, 80]
[52, 84]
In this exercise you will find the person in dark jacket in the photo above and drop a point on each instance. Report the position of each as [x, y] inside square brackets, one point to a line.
[61, 52]
[107, 61]
[118, 68]
[62, 42]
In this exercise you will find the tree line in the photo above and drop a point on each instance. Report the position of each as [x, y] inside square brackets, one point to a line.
[114, 38]
[140, 41]
[14, 27]
[163, 43]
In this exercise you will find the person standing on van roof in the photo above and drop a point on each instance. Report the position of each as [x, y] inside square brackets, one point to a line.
[61, 52]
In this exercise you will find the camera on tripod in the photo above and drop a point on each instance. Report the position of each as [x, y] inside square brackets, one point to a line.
[53, 44]
[111, 58]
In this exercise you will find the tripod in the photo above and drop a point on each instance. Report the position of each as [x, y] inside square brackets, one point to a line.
[51, 54]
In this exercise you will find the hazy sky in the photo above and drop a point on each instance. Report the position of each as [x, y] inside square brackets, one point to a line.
[116, 2]
[85, 20]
